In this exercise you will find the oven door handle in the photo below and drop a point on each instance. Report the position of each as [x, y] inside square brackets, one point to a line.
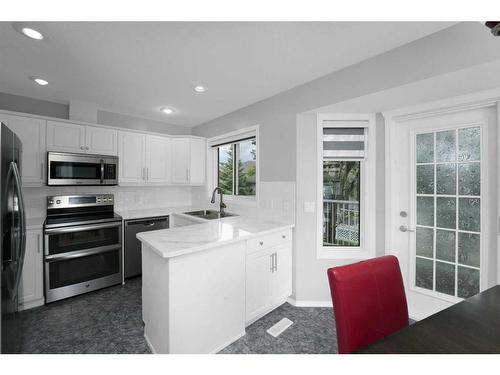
[102, 171]
[81, 228]
[82, 253]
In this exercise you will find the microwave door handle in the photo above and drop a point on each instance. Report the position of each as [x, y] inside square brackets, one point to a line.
[22, 243]
[102, 171]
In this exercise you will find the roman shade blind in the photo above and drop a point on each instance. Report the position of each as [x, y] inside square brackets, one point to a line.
[345, 140]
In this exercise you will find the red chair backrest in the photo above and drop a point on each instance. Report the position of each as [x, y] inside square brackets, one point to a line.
[369, 301]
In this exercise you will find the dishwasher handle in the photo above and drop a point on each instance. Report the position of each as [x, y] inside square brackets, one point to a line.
[148, 223]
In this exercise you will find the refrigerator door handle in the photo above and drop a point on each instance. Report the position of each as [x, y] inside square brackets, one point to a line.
[22, 243]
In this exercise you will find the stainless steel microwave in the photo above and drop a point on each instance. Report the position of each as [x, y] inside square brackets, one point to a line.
[69, 169]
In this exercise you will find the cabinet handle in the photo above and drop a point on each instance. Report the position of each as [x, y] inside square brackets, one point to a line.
[272, 262]
[82, 148]
[187, 174]
[147, 173]
[87, 148]
[283, 236]
[261, 243]
[41, 171]
[275, 262]
[38, 243]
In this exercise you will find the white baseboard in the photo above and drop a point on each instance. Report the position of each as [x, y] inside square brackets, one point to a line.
[218, 349]
[31, 304]
[150, 345]
[229, 342]
[303, 303]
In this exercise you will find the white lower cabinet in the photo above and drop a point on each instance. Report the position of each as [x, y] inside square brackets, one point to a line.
[31, 286]
[268, 273]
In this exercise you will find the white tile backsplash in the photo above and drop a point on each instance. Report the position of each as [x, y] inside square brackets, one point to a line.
[276, 199]
[125, 197]
[276, 202]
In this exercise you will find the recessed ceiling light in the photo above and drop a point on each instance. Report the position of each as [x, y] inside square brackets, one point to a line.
[199, 88]
[40, 81]
[167, 111]
[32, 33]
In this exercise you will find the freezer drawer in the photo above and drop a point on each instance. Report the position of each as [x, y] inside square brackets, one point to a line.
[133, 262]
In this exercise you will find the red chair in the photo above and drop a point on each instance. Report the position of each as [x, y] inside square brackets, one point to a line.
[369, 302]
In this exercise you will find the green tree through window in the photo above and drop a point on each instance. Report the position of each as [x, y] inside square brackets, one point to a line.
[237, 176]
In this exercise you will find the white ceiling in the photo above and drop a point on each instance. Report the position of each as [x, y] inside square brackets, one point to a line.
[137, 68]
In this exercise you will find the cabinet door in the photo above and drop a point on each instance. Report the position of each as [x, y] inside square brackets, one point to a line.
[31, 132]
[101, 141]
[258, 284]
[158, 160]
[282, 275]
[66, 137]
[31, 286]
[180, 160]
[131, 151]
[198, 151]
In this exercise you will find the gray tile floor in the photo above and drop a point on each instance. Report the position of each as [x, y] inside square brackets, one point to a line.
[109, 321]
[105, 321]
[312, 332]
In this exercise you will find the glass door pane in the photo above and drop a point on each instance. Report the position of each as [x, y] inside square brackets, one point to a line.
[448, 211]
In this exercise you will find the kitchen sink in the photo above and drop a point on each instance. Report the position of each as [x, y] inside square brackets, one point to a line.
[209, 214]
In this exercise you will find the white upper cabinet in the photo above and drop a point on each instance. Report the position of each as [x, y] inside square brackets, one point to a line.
[67, 137]
[180, 160]
[31, 132]
[197, 161]
[102, 141]
[131, 158]
[188, 161]
[158, 160]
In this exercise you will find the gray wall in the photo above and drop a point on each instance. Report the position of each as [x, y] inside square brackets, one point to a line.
[137, 123]
[310, 280]
[23, 104]
[455, 48]
[32, 106]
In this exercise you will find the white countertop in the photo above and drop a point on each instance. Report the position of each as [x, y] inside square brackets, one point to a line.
[154, 212]
[173, 242]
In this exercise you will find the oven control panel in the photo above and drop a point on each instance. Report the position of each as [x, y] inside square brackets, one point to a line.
[88, 200]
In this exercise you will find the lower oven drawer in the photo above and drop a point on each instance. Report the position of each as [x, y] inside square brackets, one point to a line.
[66, 276]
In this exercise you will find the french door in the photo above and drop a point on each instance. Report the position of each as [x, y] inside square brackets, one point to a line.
[440, 205]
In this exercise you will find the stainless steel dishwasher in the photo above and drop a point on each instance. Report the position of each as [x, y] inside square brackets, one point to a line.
[133, 261]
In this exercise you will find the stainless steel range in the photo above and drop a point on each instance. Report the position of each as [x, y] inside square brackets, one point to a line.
[82, 245]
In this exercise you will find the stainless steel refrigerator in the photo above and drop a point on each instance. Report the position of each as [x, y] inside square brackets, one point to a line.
[13, 241]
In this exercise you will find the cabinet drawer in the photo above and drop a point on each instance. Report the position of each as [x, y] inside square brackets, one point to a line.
[269, 240]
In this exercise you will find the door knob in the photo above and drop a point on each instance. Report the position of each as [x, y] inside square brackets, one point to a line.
[404, 228]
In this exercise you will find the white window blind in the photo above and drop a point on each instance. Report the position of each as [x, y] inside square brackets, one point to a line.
[344, 142]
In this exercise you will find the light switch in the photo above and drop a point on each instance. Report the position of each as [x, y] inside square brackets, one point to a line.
[310, 207]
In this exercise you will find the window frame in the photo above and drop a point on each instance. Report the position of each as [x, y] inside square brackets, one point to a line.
[367, 233]
[213, 161]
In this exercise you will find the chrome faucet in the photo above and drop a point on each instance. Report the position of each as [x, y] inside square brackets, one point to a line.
[222, 205]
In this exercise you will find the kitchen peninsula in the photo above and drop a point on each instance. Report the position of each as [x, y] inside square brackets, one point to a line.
[202, 284]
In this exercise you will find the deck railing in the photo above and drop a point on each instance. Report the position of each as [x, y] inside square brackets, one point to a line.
[340, 223]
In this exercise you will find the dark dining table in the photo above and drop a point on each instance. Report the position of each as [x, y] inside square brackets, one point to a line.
[470, 326]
